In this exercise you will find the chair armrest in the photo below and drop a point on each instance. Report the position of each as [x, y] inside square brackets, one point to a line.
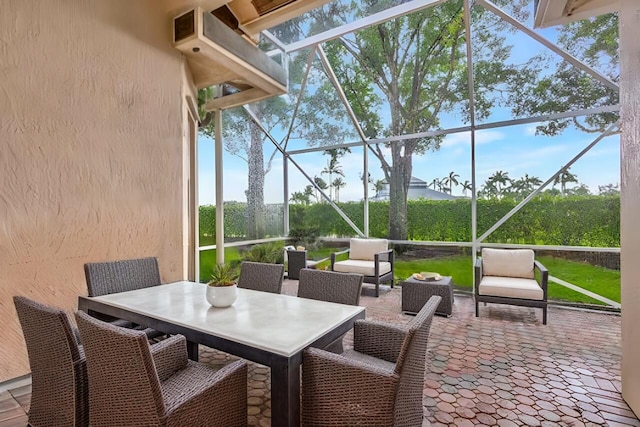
[378, 339]
[169, 356]
[544, 276]
[334, 255]
[336, 389]
[478, 275]
[222, 392]
[384, 256]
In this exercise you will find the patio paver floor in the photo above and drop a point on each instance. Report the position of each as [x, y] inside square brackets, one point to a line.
[502, 369]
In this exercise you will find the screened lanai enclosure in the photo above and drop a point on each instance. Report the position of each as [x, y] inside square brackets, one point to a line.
[443, 126]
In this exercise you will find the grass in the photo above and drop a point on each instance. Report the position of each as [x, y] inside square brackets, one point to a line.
[599, 280]
[208, 260]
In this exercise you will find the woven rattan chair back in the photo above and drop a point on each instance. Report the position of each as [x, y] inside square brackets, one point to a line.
[58, 370]
[124, 386]
[342, 288]
[260, 276]
[411, 366]
[109, 277]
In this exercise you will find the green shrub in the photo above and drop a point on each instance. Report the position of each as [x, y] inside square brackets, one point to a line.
[271, 253]
[545, 220]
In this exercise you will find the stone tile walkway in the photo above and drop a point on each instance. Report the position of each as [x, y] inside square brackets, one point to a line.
[502, 369]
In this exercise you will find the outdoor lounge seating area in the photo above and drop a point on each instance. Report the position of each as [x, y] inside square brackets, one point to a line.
[502, 366]
[396, 145]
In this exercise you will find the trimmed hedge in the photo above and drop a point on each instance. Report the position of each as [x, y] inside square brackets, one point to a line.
[574, 221]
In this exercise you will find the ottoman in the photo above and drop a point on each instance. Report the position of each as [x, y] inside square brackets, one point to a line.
[415, 294]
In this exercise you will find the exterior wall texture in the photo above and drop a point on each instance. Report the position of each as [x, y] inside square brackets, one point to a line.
[91, 149]
[630, 200]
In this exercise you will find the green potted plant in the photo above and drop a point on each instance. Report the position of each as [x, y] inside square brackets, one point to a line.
[222, 289]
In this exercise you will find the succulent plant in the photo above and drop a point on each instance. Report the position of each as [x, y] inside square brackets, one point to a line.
[223, 275]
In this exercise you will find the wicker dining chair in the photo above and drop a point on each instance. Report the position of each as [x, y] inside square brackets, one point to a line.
[379, 382]
[59, 392]
[341, 288]
[133, 385]
[260, 276]
[104, 278]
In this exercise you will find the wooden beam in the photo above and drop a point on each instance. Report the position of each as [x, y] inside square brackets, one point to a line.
[243, 10]
[278, 16]
[175, 7]
[237, 99]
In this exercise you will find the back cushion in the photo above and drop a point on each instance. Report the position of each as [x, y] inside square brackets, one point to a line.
[508, 263]
[366, 248]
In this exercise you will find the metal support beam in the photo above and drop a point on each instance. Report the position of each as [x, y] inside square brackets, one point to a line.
[303, 85]
[610, 131]
[288, 157]
[219, 190]
[492, 125]
[343, 97]
[550, 45]
[472, 121]
[375, 19]
[285, 193]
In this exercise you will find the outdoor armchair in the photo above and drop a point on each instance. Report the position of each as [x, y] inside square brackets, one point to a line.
[378, 383]
[132, 384]
[370, 257]
[59, 392]
[110, 277]
[507, 276]
[341, 288]
[260, 276]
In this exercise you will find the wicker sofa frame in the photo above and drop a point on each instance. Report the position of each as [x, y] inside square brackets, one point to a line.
[133, 384]
[379, 383]
[544, 282]
[59, 385]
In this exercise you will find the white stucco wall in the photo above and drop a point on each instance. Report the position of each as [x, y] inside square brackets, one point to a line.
[91, 149]
[630, 200]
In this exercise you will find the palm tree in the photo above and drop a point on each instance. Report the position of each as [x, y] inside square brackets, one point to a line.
[300, 197]
[466, 186]
[500, 179]
[453, 180]
[444, 184]
[563, 178]
[309, 193]
[435, 182]
[333, 167]
[321, 184]
[338, 183]
[378, 186]
[533, 181]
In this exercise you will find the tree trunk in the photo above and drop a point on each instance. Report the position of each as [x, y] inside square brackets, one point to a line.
[400, 177]
[255, 189]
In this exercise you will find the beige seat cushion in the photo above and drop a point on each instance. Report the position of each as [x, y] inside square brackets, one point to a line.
[365, 249]
[510, 287]
[366, 268]
[508, 263]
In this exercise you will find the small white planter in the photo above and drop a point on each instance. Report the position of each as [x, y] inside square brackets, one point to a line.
[222, 296]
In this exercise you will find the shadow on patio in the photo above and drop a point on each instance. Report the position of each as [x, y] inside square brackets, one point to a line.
[504, 368]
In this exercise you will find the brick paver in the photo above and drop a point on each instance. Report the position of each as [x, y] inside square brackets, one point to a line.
[504, 368]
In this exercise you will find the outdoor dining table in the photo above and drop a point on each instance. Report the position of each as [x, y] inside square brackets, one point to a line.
[270, 329]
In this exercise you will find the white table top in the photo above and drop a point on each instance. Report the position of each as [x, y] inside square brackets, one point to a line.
[280, 324]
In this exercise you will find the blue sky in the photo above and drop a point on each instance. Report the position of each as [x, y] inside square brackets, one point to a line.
[514, 149]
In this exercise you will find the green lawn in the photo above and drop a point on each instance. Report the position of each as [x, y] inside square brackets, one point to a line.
[208, 260]
[599, 280]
